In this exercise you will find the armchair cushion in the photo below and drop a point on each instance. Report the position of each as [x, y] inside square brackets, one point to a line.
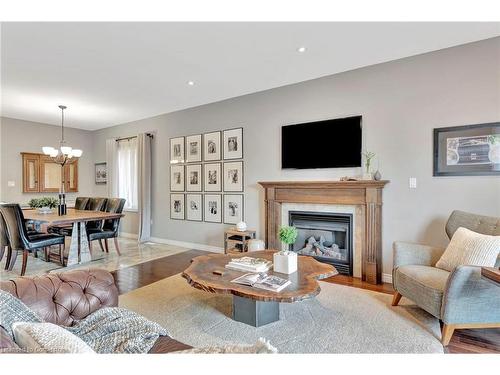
[470, 248]
[424, 285]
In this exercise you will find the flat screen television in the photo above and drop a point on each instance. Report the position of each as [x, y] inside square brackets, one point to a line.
[332, 143]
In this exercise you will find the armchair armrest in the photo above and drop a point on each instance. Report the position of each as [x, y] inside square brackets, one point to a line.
[415, 254]
[469, 298]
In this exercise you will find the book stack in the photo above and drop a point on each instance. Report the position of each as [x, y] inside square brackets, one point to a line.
[249, 264]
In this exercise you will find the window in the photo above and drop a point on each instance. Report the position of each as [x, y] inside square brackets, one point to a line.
[127, 172]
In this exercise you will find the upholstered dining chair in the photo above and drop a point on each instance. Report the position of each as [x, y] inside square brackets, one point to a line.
[110, 227]
[19, 239]
[4, 242]
[461, 298]
[81, 203]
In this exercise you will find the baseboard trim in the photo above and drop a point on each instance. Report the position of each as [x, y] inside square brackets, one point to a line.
[190, 245]
[387, 278]
[128, 235]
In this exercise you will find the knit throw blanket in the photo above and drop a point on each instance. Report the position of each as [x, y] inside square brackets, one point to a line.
[107, 330]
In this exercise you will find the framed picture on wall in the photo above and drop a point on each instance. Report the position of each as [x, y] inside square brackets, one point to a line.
[176, 178]
[177, 209]
[212, 177]
[233, 144]
[193, 148]
[211, 146]
[177, 150]
[194, 207]
[193, 177]
[213, 208]
[101, 173]
[470, 150]
[233, 208]
[233, 176]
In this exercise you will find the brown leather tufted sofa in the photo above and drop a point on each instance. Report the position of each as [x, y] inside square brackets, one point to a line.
[68, 297]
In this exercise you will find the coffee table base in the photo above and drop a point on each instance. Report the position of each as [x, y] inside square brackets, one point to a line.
[255, 313]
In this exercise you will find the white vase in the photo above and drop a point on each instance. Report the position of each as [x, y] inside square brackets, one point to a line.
[285, 262]
[241, 226]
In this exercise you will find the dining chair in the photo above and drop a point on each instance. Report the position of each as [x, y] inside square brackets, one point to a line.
[81, 203]
[110, 227]
[4, 242]
[19, 239]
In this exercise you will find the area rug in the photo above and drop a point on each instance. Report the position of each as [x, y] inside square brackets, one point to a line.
[340, 319]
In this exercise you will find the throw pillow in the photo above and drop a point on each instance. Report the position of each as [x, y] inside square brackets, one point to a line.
[13, 310]
[47, 338]
[260, 347]
[468, 248]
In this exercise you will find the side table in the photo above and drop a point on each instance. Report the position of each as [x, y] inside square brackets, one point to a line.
[235, 242]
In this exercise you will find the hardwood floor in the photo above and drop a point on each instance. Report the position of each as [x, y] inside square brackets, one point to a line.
[130, 278]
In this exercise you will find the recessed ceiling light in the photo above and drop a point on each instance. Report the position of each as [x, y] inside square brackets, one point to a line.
[191, 83]
[301, 49]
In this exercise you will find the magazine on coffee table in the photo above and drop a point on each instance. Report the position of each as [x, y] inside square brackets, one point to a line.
[263, 281]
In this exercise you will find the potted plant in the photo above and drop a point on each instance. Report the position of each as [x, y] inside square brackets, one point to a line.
[44, 205]
[285, 261]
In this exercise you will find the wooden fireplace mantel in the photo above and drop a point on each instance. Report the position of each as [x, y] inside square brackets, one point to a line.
[363, 193]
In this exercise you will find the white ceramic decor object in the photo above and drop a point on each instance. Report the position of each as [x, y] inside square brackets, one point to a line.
[256, 245]
[241, 226]
[285, 262]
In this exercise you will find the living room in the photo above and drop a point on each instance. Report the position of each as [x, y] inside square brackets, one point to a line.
[356, 163]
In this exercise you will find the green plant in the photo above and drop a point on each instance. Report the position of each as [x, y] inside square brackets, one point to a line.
[43, 202]
[368, 160]
[494, 139]
[288, 235]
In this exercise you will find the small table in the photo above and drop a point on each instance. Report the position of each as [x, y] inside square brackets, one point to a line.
[235, 237]
[491, 274]
[79, 251]
[254, 306]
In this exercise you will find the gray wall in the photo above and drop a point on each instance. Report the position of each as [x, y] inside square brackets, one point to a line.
[401, 102]
[24, 136]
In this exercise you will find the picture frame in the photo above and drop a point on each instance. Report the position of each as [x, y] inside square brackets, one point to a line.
[193, 148]
[233, 144]
[212, 177]
[177, 151]
[469, 150]
[194, 207]
[101, 173]
[233, 176]
[212, 208]
[177, 178]
[177, 206]
[212, 146]
[194, 181]
[233, 208]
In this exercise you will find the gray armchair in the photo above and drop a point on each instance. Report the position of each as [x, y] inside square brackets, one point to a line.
[461, 298]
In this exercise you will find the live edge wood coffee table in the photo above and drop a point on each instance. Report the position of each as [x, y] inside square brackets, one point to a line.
[253, 306]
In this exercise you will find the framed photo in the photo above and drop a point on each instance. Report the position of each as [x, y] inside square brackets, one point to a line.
[233, 208]
[233, 176]
[233, 144]
[177, 150]
[193, 148]
[212, 177]
[194, 207]
[213, 208]
[211, 146]
[101, 173]
[470, 150]
[177, 209]
[176, 178]
[193, 177]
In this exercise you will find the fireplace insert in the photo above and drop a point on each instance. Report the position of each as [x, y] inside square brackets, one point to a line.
[325, 236]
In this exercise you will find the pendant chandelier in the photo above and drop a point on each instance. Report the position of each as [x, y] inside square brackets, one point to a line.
[64, 153]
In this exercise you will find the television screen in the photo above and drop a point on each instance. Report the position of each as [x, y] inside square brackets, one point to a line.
[322, 144]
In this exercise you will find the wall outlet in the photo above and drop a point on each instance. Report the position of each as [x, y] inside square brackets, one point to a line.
[11, 183]
[412, 182]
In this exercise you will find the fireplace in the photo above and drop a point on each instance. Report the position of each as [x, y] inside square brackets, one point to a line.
[325, 236]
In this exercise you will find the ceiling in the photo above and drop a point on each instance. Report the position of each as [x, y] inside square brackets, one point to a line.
[111, 73]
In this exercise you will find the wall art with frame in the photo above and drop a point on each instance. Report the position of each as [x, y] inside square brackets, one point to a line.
[177, 178]
[233, 144]
[212, 208]
[212, 177]
[177, 206]
[177, 150]
[212, 146]
[233, 176]
[233, 208]
[194, 177]
[194, 207]
[193, 148]
[470, 150]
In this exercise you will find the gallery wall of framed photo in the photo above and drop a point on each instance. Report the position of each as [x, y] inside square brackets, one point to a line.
[207, 177]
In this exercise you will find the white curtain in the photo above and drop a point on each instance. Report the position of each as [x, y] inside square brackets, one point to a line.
[112, 167]
[144, 185]
[127, 172]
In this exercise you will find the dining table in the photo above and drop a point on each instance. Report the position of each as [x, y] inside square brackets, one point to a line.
[79, 251]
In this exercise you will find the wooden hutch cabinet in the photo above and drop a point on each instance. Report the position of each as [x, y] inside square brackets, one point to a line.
[42, 175]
